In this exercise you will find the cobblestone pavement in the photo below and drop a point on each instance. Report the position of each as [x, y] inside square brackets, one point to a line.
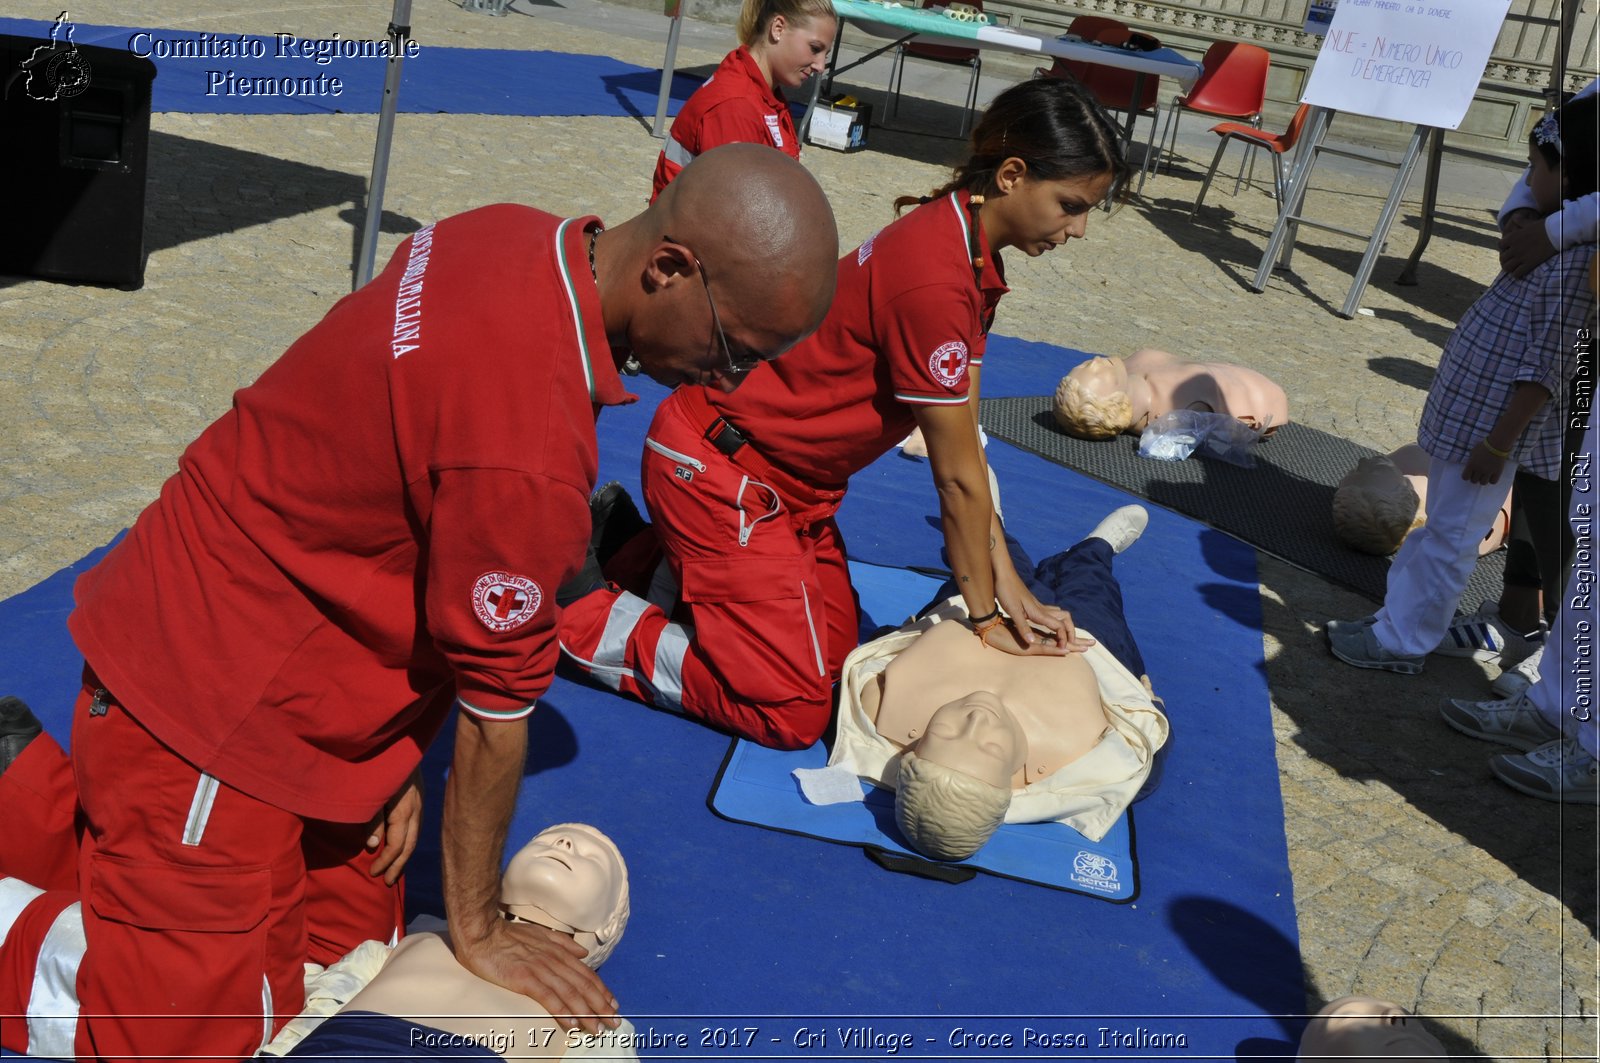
[1417, 877]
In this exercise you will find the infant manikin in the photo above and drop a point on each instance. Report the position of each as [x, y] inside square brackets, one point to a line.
[1103, 397]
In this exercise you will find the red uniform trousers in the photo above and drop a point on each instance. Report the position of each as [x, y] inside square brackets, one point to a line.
[769, 613]
[202, 905]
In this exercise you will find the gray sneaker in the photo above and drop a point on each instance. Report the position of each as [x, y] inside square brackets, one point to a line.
[1359, 646]
[1340, 627]
[1520, 676]
[1512, 722]
[1556, 771]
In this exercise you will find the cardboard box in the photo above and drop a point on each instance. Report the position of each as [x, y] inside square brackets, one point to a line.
[841, 123]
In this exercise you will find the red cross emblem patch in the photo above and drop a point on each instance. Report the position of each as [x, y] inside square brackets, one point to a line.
[504, 601]
[948, 364]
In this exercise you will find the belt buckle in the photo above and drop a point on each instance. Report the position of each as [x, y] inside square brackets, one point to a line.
[724, 436]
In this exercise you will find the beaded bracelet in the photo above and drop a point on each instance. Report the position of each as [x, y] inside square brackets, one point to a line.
[982, 628]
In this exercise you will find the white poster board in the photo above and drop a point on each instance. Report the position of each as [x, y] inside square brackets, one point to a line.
[1418, 63]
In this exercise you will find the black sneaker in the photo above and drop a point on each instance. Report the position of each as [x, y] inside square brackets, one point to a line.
[18, 727]
[614, 521]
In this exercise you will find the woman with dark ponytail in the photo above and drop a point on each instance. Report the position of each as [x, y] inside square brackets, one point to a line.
[743, 484]
[782, 45]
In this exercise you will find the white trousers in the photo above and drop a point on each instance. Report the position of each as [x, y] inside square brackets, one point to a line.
[1431, 569]
[1565, 693]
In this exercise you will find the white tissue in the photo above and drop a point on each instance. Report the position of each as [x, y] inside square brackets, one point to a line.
[832, 785]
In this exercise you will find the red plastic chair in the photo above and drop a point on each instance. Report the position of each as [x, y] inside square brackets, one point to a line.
[1277, 143]
[1233, 84]
[950, 54]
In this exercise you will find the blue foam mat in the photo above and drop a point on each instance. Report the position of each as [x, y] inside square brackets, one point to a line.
[756, 786]
[814, 948]
[437, 80]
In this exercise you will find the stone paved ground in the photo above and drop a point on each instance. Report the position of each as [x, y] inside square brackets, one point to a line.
[1417, 877]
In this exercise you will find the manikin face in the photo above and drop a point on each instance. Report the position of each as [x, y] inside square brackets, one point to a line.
[1042, 215]
[795, 51]
[569, 871]
[1365, 1028]
[976, 735]
[1544, 181]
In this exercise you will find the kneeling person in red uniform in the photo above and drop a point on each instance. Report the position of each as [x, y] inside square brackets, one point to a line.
[376, 528]
[743, 486]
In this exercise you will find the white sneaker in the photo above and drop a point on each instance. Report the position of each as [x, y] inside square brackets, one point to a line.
[1121, 527]
[1483, 636]
[1520, 676]
[1557, 771]
[1512, 722]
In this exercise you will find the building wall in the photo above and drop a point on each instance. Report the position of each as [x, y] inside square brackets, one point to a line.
[1508, 102]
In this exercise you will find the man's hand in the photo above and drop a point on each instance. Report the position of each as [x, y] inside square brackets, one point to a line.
[542, 964]
[396, 830]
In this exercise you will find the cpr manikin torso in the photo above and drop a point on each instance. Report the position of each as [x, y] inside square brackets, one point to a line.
[1052, 703]
[1157, 382]
[1075, 736]
[570, 878]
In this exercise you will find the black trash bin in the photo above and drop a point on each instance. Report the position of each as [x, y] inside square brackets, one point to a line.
[75, 122]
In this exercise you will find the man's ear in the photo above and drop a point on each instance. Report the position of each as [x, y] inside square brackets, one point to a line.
[667, 262]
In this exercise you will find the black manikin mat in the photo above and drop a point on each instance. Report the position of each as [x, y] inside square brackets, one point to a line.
[1283, 506]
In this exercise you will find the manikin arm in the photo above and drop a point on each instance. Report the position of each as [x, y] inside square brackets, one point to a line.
[479, 798]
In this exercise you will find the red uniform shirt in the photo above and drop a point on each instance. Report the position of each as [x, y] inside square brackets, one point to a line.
[736, 105]
[387, 510]
[908, 317]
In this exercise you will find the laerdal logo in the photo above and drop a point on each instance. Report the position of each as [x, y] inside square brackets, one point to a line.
[408, 300]
[1095, 872]
[55, 72]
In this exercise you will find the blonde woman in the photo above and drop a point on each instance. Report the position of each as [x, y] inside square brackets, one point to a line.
[782, 44]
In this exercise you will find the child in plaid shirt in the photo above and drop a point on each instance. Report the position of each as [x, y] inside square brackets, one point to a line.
[1489, 412]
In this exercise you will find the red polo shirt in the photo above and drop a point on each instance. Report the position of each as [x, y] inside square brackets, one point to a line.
[388, 510]
[736, 105]
[908, 317]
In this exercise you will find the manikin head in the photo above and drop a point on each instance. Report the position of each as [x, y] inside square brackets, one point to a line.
[570, 878]
[1365, 1028]
[954, 783]
[1093, 400]
[1375, 507]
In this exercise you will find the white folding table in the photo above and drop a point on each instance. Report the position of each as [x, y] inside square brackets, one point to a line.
[902, 24]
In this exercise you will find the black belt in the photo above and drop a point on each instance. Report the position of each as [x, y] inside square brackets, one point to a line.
[725, 437]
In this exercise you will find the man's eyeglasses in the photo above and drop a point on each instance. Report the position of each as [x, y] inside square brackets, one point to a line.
[735, 366]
